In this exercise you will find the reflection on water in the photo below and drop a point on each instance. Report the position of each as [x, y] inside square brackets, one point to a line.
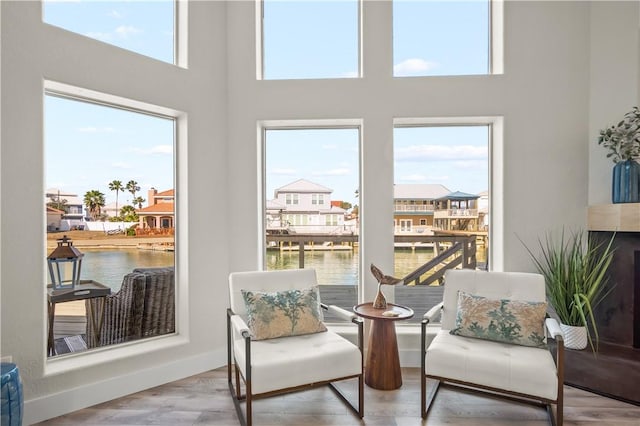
[341, 267]
[109, 267]
[332, 267]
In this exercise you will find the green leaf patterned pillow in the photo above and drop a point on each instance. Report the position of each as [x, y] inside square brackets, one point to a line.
[509, 321]
[283, 313]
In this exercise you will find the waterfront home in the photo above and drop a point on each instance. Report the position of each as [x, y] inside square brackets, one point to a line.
[305, 207]
[413, 206]
[73, 206]
[457, 211]
[54, 218]
[159, 213]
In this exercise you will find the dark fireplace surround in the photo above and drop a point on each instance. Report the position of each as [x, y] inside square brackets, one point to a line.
[615, 371]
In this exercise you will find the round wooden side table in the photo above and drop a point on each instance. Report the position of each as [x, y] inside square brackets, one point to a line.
[382, 369]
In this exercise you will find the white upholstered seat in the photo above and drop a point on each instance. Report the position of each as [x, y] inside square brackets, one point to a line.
[286, 364]
[521, 371]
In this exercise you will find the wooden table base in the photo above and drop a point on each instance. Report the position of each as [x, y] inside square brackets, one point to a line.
[382, 369]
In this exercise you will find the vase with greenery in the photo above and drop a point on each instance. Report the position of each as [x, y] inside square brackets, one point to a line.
[623, 144]
[575, 271]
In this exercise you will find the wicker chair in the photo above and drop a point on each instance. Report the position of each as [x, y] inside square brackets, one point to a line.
[143, 307]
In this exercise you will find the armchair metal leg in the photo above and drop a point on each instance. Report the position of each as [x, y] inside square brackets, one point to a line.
[426, 402]
[361, 396]
[360, 410]
[238, 394]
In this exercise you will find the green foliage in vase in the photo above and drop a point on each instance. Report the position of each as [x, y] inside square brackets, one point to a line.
[623, 140]
[575, 271]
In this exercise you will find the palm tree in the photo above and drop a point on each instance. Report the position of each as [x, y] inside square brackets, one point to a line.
[129, 214]
[138, 201]
[94, 200]
[132, 187]
[117, 186]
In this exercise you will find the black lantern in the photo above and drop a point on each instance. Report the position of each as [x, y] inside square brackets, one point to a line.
[64, 265]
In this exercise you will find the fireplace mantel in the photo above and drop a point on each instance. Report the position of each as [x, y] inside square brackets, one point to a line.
[623, 217]
[615, 371]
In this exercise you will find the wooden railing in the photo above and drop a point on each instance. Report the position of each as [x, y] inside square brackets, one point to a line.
[423, 287]
[461, 253]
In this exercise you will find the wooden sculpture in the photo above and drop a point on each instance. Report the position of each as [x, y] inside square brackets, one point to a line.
[380, 301]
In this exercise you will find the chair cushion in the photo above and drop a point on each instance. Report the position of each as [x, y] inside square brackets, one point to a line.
[514, 368]
[294, 361]
[283, 313]
[502, 320]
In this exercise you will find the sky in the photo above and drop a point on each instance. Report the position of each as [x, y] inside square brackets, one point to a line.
[88, 146]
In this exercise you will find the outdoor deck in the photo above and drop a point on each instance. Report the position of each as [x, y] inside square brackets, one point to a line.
[71, 318]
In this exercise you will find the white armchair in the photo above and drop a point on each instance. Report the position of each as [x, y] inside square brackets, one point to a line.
[286, 364]
[526, 373]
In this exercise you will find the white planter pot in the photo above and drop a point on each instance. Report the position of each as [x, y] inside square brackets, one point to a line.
[574, 337]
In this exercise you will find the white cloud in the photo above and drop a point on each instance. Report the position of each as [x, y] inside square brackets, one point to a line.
[124, 31]
[158, 149]
[286, 172]
[442, 153]
[470, 164]
[332, 172]
[92, 129]
[413, 66]
[115, 14]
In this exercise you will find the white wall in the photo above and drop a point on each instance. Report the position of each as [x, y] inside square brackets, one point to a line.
[614, 82]
[543, 97]
[547, 97]
[33, 51]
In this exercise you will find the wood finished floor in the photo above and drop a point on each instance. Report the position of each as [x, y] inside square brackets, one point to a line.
[204, 400]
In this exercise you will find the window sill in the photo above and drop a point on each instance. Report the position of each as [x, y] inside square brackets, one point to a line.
[106, 354]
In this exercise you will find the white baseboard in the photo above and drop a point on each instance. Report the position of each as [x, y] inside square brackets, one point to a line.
[54, 405]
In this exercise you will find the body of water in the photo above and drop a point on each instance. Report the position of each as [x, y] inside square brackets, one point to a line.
[109, 266]
[341, 266]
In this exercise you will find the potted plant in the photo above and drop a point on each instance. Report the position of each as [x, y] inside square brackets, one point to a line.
[575, 272]
[623, 143]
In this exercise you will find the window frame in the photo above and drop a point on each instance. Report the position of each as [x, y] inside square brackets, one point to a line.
[260, 53]
[495, 174]
[57, 365]
[180, 49]
[495, 54]
[263, 127]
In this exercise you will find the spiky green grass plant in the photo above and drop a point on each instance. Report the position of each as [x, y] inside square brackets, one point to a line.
[575, 271]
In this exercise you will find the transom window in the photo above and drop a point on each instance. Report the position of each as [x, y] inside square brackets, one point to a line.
[441, 37]
[145, 27]
[310, 39]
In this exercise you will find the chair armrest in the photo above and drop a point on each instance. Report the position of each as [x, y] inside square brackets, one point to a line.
[554, 329]
[239, 326]
[340, 312]
[431, 313]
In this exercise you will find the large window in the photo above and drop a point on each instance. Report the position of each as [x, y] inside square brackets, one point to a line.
[441, 205]
[145, 27]
[310, 39]
[319, 167]
[110, 188]
[441, 37]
